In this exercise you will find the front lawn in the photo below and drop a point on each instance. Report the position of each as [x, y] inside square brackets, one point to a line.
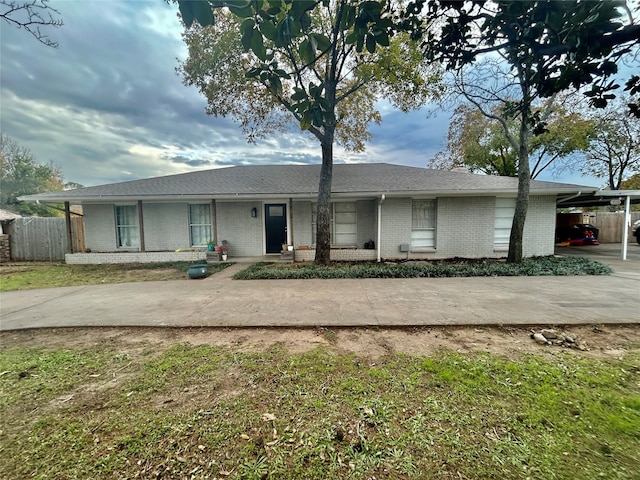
[443, 268]
[203, 412]
[24, 276]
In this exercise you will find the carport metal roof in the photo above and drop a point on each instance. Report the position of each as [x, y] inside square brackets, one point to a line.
[604, 198]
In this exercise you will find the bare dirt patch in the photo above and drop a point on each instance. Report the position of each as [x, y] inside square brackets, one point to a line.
[610, 341]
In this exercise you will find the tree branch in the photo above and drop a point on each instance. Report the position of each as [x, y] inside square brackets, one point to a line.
[30, 16]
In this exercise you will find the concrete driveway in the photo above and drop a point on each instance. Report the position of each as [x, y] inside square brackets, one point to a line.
[221, 301]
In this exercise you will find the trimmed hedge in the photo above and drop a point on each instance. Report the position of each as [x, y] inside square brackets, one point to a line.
[538, 266]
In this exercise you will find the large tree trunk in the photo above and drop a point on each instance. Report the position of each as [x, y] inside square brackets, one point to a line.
[522, 200]
[323, 218]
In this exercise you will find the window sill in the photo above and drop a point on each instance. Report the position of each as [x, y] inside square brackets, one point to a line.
[501, 249]
[423, 250]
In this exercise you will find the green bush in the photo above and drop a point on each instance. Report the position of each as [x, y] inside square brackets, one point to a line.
[538, 266]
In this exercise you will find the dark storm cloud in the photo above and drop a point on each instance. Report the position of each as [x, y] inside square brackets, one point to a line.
[109, 89]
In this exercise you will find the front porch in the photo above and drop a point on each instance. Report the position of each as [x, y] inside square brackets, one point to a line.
[96, 258]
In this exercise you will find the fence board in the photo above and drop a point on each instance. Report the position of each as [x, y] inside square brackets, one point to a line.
[43, 239]
[611, 225]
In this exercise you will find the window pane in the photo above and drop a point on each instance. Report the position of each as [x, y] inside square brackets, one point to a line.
[423, 238]
[424, 214]
[200, 224]
[127, 226]
[505, 208]
[342, 225]
[276, 211]
[423, 224]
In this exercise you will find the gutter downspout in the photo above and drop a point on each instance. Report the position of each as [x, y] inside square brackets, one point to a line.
[382, 197]
[570, 197]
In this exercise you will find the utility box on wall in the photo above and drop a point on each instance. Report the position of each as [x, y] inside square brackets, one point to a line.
[404, 247]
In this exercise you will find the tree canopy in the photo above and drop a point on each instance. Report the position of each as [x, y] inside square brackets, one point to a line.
[614, 154]
[21, 174]
[320, 64]
[566, 44]
[479, 144]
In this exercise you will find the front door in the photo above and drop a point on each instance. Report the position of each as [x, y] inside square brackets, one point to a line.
[275, 224]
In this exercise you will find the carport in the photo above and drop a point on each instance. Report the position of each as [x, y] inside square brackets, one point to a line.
[604, 198]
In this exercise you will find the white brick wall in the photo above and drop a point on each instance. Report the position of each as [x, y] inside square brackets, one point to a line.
[396, 226]
[540, 226]
[99, 227]
[464, 228]
[353, 254]
[302, 234]
[133, 257]
[243, 232]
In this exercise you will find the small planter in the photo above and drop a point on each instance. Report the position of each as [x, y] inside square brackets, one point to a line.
[224, 257]
[198, 271]
[210, 248]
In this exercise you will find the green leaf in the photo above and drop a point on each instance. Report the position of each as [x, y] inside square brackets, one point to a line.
[257, 46]
[305, 122]
[300, 7]
[247, 39]
[348, 17]
[186, 12]
[383, 39]
[248, 24]
[275, 85]
[202, 12]
[240, 10]
[371, 43]
[298, 94]
[306, 51]
[269, 31]
[322, 42]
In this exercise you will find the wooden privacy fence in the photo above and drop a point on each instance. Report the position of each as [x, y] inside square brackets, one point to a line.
[44, 239]
[611, 225]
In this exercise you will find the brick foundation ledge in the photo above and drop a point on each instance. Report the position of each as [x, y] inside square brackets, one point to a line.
[133, 257]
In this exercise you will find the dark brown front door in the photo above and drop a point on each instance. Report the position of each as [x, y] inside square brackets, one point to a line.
[275, 224]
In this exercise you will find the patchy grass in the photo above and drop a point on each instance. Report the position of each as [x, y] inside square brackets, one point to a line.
[442, 268]
[24, 276]
[217, 412]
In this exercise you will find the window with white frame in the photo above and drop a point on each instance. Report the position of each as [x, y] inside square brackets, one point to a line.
[343, 224]
[200, 224]
[423, 224]
[505, 208]
[127, 233]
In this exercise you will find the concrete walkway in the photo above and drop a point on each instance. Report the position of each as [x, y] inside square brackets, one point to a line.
[221, 301]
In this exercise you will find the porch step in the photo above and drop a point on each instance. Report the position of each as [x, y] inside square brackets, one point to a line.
[287, 255]
[213, 257]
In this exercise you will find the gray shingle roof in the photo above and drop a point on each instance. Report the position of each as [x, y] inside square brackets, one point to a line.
[302, 180]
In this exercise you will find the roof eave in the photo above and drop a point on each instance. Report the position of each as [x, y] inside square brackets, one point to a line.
[300, 195]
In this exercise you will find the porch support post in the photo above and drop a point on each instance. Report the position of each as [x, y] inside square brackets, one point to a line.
[625, 226]
[382, 197]
[214, 220]
[67, 220]
[290, 223]
[141, 226]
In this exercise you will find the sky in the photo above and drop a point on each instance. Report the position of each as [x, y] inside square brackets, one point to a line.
[107, 105]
